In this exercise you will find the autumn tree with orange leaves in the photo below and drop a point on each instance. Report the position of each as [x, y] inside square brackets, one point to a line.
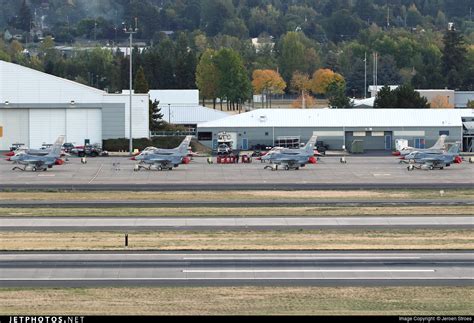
[267, 82]
[301, 84]
[322, 78]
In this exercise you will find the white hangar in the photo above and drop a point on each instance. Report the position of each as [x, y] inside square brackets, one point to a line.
[36, 108]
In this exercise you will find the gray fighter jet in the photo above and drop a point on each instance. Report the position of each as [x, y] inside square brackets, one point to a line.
[160, 159]
[437, 148]
[430, 161]
[40, 163]
[292, 158]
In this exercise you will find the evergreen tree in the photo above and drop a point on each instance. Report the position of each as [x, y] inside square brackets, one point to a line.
[140, 85]
[24, 19]
[185, 64]
[404, 97]
[155, 115]
[337, 96]
[454, 58]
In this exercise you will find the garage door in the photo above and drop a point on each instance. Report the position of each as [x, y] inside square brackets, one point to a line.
[84, 124]
[372, 140]
[76, 124]
[14, 124]
[46, 125]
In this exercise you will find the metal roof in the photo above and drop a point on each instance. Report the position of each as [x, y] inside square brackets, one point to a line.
[186, 114]
[264, 118]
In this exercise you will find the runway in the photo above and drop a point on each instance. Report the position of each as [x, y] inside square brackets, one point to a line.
[114, 173]
[230, 203]
[236, 268]
[125, 224]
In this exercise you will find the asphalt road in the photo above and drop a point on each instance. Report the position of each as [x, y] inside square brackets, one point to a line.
[125, 224]
[229, 203]
[114, 173]
[236, 268]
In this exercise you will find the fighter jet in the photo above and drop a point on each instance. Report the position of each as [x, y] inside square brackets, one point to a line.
[163, 158]
[292, 158]
[40, 163]
[430, 161]
[437, 148]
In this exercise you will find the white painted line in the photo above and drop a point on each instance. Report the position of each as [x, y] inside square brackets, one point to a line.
[46, 175]
[237, 271]
[230, 278]
[299, 258]
[96, 174]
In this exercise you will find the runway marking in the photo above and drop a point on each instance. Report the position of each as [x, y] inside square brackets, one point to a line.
[230, 278]
[298, 258]
[96, 174]
[46, 175]
[237, 271]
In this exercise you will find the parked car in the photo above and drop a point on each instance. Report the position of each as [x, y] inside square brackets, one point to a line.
[89, 150]
[223, 149]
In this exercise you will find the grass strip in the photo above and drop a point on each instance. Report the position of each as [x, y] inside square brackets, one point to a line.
[239, 300]
[243, 240]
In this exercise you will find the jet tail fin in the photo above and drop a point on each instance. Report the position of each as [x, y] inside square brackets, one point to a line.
[440, 143]
[57, 147]
[311, 144]
[183, 148]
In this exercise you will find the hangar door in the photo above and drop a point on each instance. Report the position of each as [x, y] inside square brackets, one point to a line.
[372, 140]
[46, 125]
[14, 127]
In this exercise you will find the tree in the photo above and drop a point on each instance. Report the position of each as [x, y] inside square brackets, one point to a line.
[301, 84]
[414, 17]
[268, 82]
[207, 76]
[336, 93]
[292, 55]
[155, 115]
[234, 84]
[140, 85]
[454, 58]
[470, 104]
[386, 99]
[185, 64]
[441, 102]
[404, 97]
[25, 18]
[301, 103]
[322, 78]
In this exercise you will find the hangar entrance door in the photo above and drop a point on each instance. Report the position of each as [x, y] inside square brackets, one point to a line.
[468, 136]
[373, 140]
[14, 128]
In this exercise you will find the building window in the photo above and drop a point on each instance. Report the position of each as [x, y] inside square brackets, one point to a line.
[266, 133]
[204, 136]
[420, 143]
[444, 132]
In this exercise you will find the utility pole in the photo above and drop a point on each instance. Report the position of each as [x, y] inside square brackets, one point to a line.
[131, 31]
[365, 75]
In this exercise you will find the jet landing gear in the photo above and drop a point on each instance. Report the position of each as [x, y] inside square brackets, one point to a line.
[139, 167]
[274, 167]
[422, 167]
[33, 168]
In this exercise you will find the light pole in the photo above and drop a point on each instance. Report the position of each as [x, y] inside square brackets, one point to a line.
[169, 113]
[131, 31]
